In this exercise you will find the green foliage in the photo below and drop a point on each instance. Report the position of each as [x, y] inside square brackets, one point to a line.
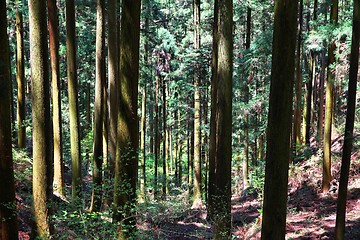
[257, 178]
[83, 225]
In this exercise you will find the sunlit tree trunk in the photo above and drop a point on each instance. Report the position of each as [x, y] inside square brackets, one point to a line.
[349, 127]
[20, 79]
[142, 193]
[8, 223]
[279, 120]
[56, 97]
[320, 126]
[73, 103]
[42, 137]
[329, 104]
[99, 108]
[105, 136]
[126, 166]
[223, 120]
[196, 199]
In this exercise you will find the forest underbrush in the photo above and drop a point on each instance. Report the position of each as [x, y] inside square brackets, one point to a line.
[311, 213]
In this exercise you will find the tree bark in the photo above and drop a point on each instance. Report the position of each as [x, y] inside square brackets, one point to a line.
[73, 103]
[157, 138]
[223, 120]
[212, 140]
[329, 104]
[196, 199]
[164, 159]
[246, 117]
[42, 136]
[113, 61]
[20, 79]
[142, 144]
[279, 120]
[298, 84]
[349, 127]
[126, 166]
[8, 223]
[99, 108]
[59, 184]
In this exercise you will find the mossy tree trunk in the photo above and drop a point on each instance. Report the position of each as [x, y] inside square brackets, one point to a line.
[279, 120]
[73, 103]
[99, 108]
[329, 104]
[20, 79]
[222, 102]
[349, 126]
[8, 223]
[41, 120]
[56, 97]
[126, 166]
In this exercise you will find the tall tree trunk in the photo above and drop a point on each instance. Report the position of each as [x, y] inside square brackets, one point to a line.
[151, 118]
[56, 97]
[142, 144]
[223, 120]
[308, 96]
[157, 137]
[8, 223]
[105, 122]
[42, 137]
[113, 87]
[190, 145]
[279, 120]
[197, 201]
[177, 142]
[246, 117]
[73, 103]
[320, 123]
[126, 166]
[205, 148]
[310, 69]
[164, 159]
[99, 108]
[20, 79]
[349, 127]
[298, 83]
[212, 140]
[329, 104]
[142, 193]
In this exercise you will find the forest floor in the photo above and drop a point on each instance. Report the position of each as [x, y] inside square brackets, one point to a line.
[311, 214]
